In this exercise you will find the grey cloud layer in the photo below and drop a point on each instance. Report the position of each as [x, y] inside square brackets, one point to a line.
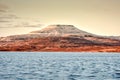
[8, 19]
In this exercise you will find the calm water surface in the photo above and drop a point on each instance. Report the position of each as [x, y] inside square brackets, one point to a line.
[59, 66]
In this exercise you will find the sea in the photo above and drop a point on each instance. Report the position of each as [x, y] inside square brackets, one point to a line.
[59, 66]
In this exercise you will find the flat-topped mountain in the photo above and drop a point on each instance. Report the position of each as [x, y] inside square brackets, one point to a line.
[50, 31]
[59, 38]
[60, 30]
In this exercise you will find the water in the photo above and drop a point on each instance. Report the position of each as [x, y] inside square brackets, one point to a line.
[59, 66]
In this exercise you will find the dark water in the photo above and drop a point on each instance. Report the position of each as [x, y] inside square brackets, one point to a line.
[59, 66]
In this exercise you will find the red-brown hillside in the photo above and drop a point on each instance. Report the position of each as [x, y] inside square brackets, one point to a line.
[59, 38]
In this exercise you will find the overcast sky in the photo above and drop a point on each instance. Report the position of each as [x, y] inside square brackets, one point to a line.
[96, 16]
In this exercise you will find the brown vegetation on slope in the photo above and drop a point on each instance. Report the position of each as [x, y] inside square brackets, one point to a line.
[76, 44]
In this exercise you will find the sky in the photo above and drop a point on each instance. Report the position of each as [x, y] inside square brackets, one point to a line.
[100, 17]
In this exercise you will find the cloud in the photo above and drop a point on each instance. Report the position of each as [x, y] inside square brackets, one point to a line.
[3, 8]
[3, 21]
[10, 20]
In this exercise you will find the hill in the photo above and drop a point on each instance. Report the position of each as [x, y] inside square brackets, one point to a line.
[59, 38]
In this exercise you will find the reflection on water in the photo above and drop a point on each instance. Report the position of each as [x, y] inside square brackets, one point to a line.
[59, 66]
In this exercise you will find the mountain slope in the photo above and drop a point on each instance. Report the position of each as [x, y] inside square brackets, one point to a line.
[59, 38]
[50, 31]
[60, 30]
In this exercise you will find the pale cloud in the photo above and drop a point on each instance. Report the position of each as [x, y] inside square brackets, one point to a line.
[10, 20]
[3, 8]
